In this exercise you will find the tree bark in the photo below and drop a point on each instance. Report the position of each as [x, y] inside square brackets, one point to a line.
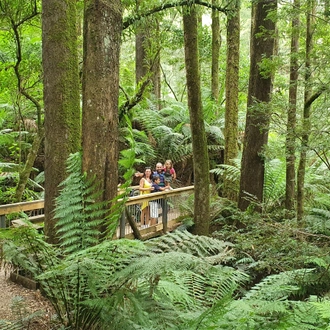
[310, 21]
[61, 98]
[199, 142]
[147, 54]
[216, 43]
[231, 114]
[102, 34]
[292, 112]
[259, 93]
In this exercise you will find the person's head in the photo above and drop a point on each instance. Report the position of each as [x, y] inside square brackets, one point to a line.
[168, 163]
[156, 179]
[147, 172]
[159, 167]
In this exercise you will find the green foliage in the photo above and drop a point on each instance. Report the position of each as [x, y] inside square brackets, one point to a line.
[179, 280]
[265, 306]
[8, 183]
[274, 184]
[318, 221]
[93, 283]
[127, 160]
[170, 132]
[232, 173]
[76, 210]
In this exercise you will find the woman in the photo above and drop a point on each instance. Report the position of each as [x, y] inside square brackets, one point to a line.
[145, 187]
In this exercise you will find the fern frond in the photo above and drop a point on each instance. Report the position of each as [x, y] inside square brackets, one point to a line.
[278, 286]
[79, 216]
[318, 221]
[183, 241]
[274, 185]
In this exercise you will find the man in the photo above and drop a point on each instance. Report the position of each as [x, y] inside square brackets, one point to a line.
[160, 172]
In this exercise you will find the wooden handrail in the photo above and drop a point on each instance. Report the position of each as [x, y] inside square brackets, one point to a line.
[21, 207]
[149, 197]
[39, 204]
[134, 200]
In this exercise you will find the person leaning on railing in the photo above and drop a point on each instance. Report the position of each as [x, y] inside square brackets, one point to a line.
[169, 173]
[145, 187]
[154, 204]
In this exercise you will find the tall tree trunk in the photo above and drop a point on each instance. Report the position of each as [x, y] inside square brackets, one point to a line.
[216, 43]
[102, 33]
[199, 142]
[141, 67]
[61, 97]
[156, 72]
[259, 94]
[292, 112]
[310, 20]
[147, 53]
[232, 78]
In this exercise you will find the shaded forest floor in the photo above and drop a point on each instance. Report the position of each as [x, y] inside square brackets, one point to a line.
[21, 305]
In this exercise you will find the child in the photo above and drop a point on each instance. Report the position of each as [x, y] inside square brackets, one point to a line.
[169, 173]
[154, 204]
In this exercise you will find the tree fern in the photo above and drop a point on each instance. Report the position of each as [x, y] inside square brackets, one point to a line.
[323, 310]
[232, 173]
[278, 286]
[274, 184]
[78, 215]
[318, 221]
[183, 241]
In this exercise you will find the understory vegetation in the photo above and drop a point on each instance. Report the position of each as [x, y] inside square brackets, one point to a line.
[257, 271]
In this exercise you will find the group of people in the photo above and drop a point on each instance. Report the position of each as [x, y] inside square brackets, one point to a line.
[151, 182]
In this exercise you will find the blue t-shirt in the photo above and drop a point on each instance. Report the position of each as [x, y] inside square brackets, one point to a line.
[156, 187]
[161, 177]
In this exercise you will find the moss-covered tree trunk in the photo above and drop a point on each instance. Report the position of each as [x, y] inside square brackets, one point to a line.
[199, 142]
[292, 112]
[259, 94]
[216, 43]
[102, 33]
[310, 22]
[147, 53]
[61, 97]
[141, 67]
[232, 78]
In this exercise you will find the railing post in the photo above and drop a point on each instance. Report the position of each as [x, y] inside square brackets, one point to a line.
[164, 217]
[122, 225]
[2, 221]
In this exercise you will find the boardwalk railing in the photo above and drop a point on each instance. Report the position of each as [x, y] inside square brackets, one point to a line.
[34, 210]
[164, 207]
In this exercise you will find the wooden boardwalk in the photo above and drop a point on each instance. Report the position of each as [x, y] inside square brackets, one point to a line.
[168, 203]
